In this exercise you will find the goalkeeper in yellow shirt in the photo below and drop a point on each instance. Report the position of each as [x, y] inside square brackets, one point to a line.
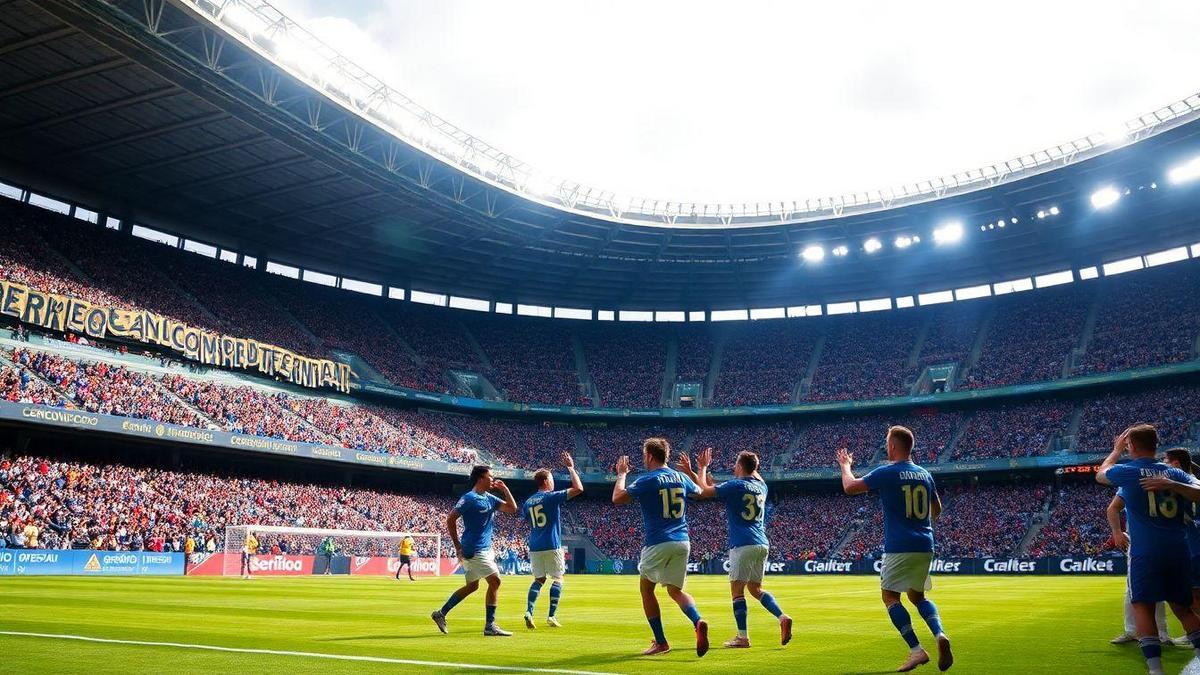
[249, 548]
[406, 556]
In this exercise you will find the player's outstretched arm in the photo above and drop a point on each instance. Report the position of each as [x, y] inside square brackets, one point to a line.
[1189, 491]
[850, 485]
[620, 495]
[576, 488]
[1119, 444]
[1113, 515]
[510, 504]
[684, 465]
[707, 489]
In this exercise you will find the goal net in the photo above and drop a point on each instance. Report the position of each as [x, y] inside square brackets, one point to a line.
[307, 550]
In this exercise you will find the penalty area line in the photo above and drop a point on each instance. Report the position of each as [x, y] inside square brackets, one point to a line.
[311, 655]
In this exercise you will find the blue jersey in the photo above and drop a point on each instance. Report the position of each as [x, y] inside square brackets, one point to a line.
[662, 495]
[541, 510]
[906, 492]
[477, 511]
[1192, 531]
[745, 502]
[1154, 520]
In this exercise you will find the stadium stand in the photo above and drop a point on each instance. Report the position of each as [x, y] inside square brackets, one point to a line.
[763, 362]
[626, 363]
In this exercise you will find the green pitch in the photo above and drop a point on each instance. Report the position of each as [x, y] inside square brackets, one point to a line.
[997, 624]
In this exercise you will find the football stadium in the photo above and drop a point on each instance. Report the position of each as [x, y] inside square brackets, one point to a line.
[298, 375]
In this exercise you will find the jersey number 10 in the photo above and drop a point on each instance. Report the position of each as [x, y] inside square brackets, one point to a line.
[916, 501]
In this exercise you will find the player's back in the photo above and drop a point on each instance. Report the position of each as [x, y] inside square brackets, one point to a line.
[477, 511]
[745, 502]
[906, 493]
[542, 510]
[662, 495]
[1154, 519]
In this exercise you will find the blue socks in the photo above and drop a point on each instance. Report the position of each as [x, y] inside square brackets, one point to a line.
[903, 623]
[555, 593]
[1152, 650]
[534, 589]
[491, 615]
[450, 603]
[739, 615]
[656, 626]
[928, 611]
[692, 613]
[768, 601]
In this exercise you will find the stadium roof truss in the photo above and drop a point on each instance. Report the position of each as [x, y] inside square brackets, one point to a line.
[224, 121]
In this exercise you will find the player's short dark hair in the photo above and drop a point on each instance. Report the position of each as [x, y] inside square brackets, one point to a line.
[541, 477]
[748, 461]
[1144, 437]
[478, 471]
[657, 447]
[903, 436]
[1184, 458]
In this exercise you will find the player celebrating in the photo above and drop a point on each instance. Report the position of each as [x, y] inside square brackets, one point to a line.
[1158, 554]
[249, 548]
[406, 556]
[661, 493]
[545, 540]
[745, 499]
[910, 505]
[474, 551]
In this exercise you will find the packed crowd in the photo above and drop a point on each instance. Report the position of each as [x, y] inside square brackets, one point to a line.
[18, 386]
[867, 357]
[864, 436]
[1173, 410]
[515, 443]
[1013, 430]
[763, 362]
[1030, 335]
[1076, 523]
[987, 520]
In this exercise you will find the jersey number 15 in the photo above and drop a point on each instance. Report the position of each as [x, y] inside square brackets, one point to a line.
[672, 502]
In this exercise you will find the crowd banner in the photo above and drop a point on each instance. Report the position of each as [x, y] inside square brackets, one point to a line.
[31, 562]
[1070, 565]
[73, 315]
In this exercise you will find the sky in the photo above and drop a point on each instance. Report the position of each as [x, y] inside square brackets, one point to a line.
[770, 101]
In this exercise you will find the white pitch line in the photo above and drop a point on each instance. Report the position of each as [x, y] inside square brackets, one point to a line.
[313, 655]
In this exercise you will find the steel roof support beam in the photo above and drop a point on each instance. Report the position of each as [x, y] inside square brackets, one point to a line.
[189, 156]
[93, 110]
[148, 133]
[65, 76]
[34, 40]
[257, 196]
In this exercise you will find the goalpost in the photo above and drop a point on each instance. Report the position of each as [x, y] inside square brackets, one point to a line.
[311, 550]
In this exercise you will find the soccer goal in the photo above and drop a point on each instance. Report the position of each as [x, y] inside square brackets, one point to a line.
[298, 551]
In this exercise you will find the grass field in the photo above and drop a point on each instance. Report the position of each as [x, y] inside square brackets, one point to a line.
[997, 624]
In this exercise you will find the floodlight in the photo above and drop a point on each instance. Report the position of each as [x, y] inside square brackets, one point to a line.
[1105, 197]
[950, 233]
[903, 241]
[1183, 173]
[840, 251]
[813, 253]
[1054, 210]
[1041, 215]
[872, 245]
[1014, 220]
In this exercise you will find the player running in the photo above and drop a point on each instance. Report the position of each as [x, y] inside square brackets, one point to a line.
[545, 540]
[477, 508]
[745, 499]
[910, 505]
[406, 556]
[661, 492]
[1158, 552]
[249, 549]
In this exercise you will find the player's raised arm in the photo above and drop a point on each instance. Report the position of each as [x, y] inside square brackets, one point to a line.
[620, 494]
[707, 489]
[576, 488]
[1113, 515]
[452, 528]
[850, 485]
[684, 466]
[1189, 491]
[1119, 444]
[510, 504]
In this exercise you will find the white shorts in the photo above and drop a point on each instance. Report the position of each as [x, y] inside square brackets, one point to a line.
[481, 565]
[746, 563]
[904, 572]
[550, 564]
[666, 563]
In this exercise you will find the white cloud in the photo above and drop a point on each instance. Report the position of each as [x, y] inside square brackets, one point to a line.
[718, 101]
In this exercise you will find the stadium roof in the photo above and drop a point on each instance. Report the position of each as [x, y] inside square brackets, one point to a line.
[149, 111]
